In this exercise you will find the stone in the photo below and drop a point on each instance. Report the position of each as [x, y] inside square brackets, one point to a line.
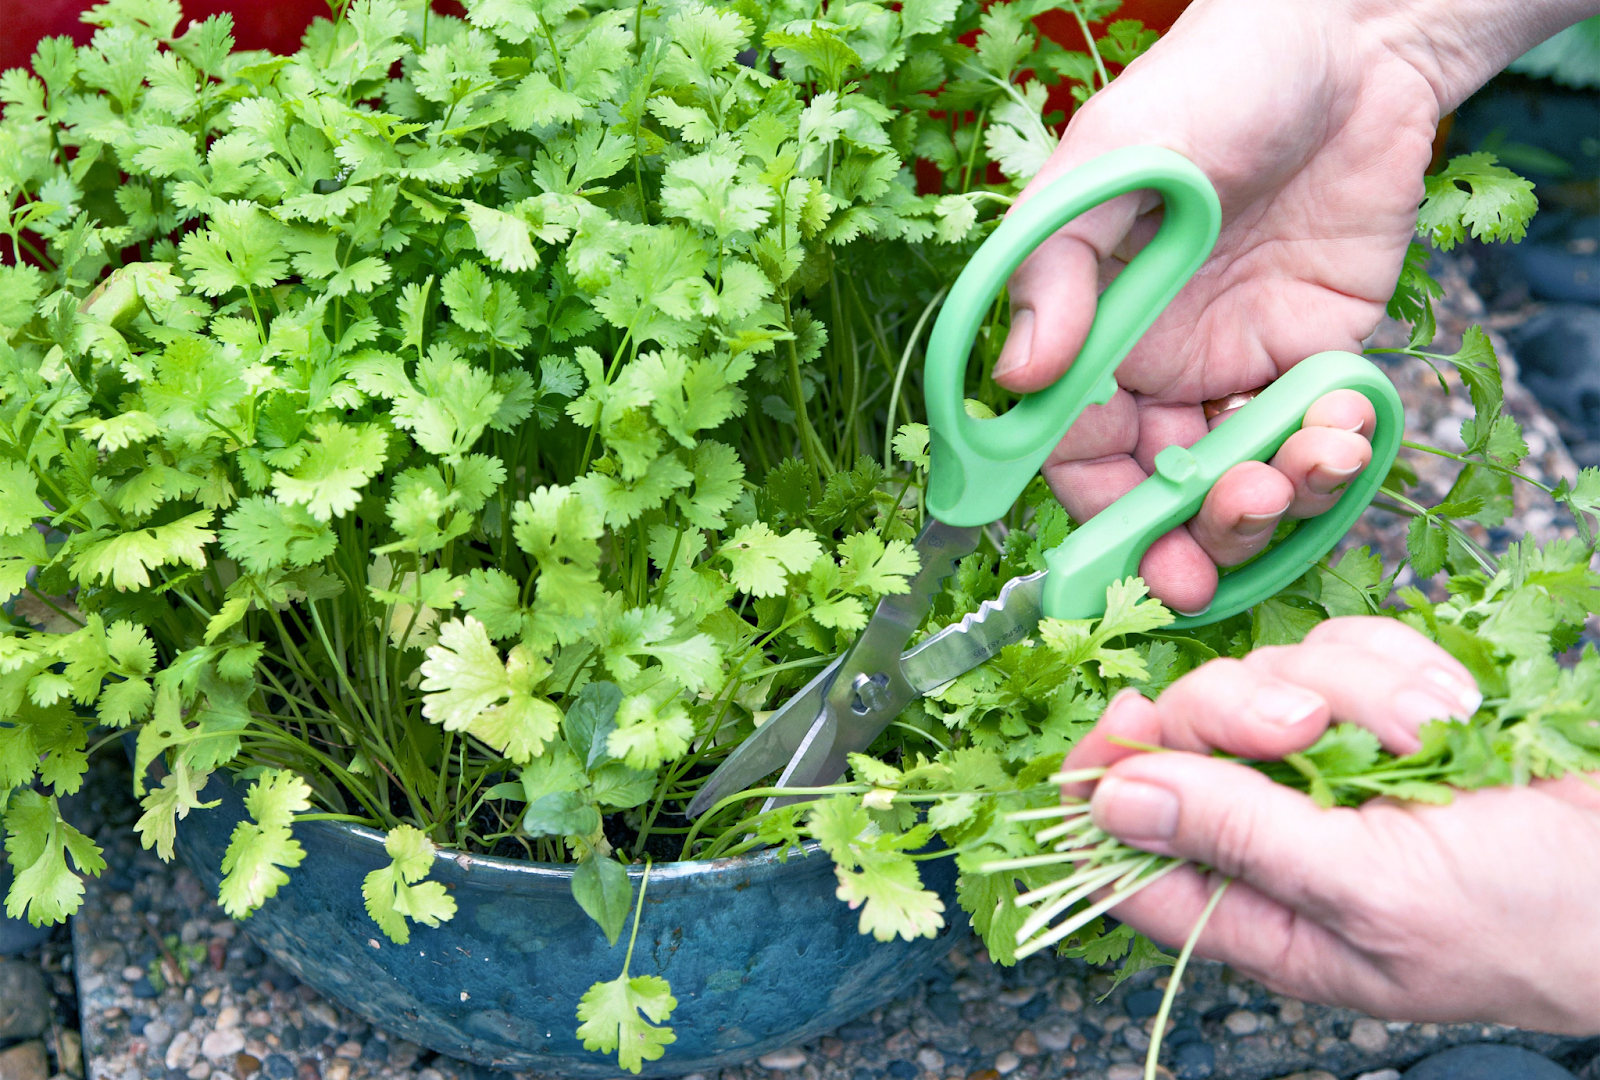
[219, 1045]
[1055, 1035]
[984, 1074]
[1486, 1061]
[930, 1059]
[307, 1070]
[945, 1007]
[1194, 1061]
[314, 1035]
[903, 1070]
[1310, 1074]
[132, 973]
[228, 1018]
[1143, 1003]
[1291, 1011]
[246, 1065]
[25, 1061]
[1125, 1071]
[211, 997]
[278, 1067]
[375, 1050]
[69, 1053]
[1025, 1045]
[1380, 1074]
[430, 1073]
[402, 1054]
[1369, 1035]
[1136, 1038]
[24, 1001]
[145, 990]
[200, 1070]
[350, 1049]
[338, 1069]
[1006, 1063]
[183, 1050]
[790, 1057]
[1239, 1022]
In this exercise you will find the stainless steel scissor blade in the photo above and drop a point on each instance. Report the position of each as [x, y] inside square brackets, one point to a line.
[850, 702]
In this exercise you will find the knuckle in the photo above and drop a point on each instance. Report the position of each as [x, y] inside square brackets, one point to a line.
[1234, 832]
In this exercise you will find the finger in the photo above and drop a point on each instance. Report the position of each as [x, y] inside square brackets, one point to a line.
[1248, 930]
[1241, 510]
[1241, 709]
[1344, 410]
[1179, 572]
[1396, 640]
[1053, 296]
[1232, 818]
[1130, 716]
[1320, 462]
[1391, 698]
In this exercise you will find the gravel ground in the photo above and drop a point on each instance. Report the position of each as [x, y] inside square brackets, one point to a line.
[172, 990]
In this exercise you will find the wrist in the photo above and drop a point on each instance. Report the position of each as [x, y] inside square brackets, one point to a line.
[1458, 45]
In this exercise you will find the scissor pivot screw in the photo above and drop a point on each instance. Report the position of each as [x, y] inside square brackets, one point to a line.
[872, 693]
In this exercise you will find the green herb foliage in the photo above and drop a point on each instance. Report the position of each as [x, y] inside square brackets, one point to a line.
[468, 428]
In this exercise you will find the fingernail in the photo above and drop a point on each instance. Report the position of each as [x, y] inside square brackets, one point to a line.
[1325, 481]
[1355, 428]
[1417, 707]
[1467, 694]
[1256, 524]
[1019, 345]
[1135, 811]
[1285, 706]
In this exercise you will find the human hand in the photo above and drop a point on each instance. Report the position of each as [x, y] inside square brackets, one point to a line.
[1315, 122]
[1480, 910]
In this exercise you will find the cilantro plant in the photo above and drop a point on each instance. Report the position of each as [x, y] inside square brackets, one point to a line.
[473, 429]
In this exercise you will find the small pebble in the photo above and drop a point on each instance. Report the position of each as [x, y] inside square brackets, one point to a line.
[69, 1053]
[199, 1070]
[307, 1070]
[278, 1067]
[245, 1065]
[137, 1023]
[1369, 1035]
[350, 1049]
[1242, 1023]
[1380, 1074]
[260, 1018]
[1194, 1061]
[930, 1059]
[984, 1074]
[338, 1069]
[228, 1018]
[402, 1054]
[831, 1047]
[1291, 1011]
[132, 973]
[216, 953]
[211, 997]
[220, 1045]
[902, 1070]
[1006, 1063]
[314, 1035]
[25, 1061]
[430, 1074]
[1125, 1071]
[1055, 1035]
[183, 1050]
[790, 1057]
[1136, 1038]
[145, 990]
[375, 1050]
[1025, 1044]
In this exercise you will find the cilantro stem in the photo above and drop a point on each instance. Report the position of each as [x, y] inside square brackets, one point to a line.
[900, 372]
[1088, 37]
[1480, 462]
[638, 910]
[1153, 1054]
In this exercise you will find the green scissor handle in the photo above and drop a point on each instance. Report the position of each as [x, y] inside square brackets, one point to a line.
[979, 467]
[1109, 545]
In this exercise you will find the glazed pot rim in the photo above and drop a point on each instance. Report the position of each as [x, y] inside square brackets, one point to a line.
[364, 836]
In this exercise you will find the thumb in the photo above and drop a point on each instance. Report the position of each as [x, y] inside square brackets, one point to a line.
[1235, 820]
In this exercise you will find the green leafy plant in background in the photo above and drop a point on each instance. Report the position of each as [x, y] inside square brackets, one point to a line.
[473, 428]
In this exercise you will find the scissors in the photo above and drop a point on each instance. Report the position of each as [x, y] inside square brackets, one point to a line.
[979, 467]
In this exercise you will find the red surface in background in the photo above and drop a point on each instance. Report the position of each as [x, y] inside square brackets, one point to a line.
[278, 24]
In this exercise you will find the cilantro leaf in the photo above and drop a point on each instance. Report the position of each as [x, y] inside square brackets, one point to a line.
[611, 1020]
[262, 845]
[396, 892]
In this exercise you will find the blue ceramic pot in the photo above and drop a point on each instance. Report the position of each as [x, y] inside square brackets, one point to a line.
[760, 954]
